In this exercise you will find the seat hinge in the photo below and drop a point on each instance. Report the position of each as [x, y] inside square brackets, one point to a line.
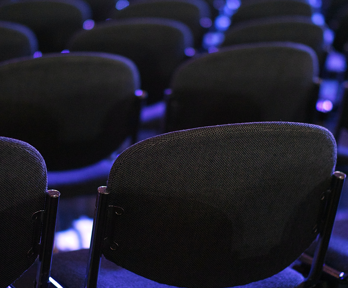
[114, 213]
[37, 220]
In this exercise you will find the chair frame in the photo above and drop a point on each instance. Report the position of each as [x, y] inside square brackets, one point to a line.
[331, 198]
[44, 238]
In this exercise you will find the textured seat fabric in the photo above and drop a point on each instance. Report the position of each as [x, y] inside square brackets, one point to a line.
[244, 83]
[189, 12]
[16, 40]
[53, 21]
[293, 29]
[157, 47]
[112, 275]
[23, 180]
[270, 8]
[216, 206]
[101, 9]
[76, 108]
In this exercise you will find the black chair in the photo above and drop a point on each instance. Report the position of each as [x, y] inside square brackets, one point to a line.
[245, 83]
[16, 40]
[76, 109]
[189, 12]
[53, 21]
[296, 29]
[101, 9]
[27, 213]
[270, 8]
[212, 207]
[157, 47]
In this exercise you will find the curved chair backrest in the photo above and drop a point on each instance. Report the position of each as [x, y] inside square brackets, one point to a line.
[293, 29]
[157, 47]
[101, 9]
[75, 108]
[189, 12]
[244, 83]
[53, 21]
[23, 182]
[218, 206]
[270, 8]
[16, 40]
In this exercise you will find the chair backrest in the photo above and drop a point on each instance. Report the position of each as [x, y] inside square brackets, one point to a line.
[16, 40]
[293, 29]
[101, 9]
[245, 83]
[53, 21]
[23, 179]
[74, 108]
[270, 8]
[218, 206]
[189, 12]
[157, 47]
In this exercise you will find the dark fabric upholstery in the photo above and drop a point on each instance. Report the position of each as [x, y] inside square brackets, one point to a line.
[188, 12]
[75, 108]
[101, 9]
[16, 40]
[244, 83]
[53, 21]
[23, 184]
[293, 29]
[219, 206]
[157, 47]
[270, 8]
[112, 275]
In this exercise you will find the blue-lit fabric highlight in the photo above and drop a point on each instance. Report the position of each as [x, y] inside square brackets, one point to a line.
[233, 4]
[336, 62]
[37, 54]
[88, 24]
[190, 51]
[206, 22]
[318, 19]
[121, 4]
[76, 176]
[213, 39]
[222, 22]
[151, 112]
